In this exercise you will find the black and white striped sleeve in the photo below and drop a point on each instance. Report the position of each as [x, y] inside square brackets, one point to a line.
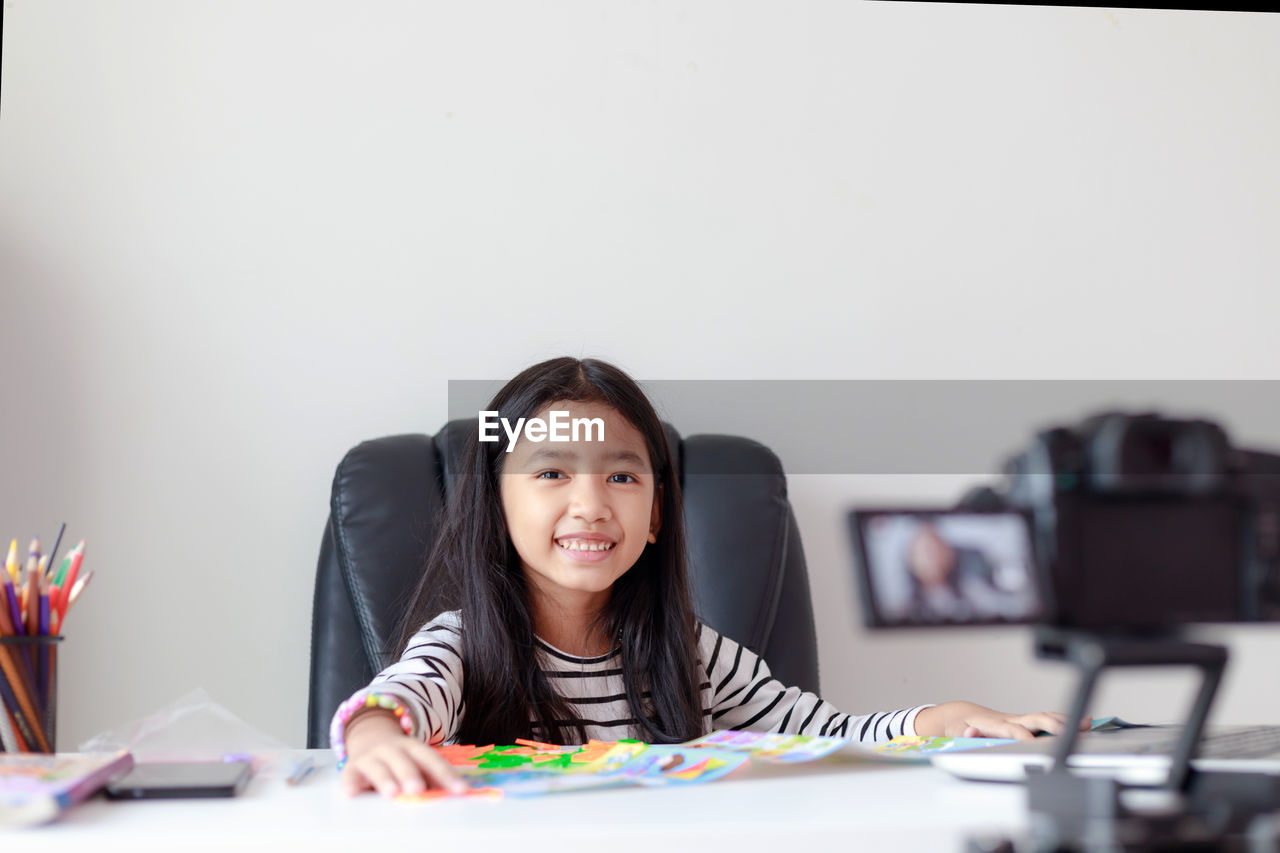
[746, 696]
[427, 679]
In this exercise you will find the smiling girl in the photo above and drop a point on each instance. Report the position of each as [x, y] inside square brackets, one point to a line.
[575, 619]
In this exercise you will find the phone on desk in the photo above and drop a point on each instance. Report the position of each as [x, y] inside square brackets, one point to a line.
[174, 779]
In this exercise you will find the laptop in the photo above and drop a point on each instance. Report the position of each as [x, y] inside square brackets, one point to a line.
[918, 568]
[1136, 756]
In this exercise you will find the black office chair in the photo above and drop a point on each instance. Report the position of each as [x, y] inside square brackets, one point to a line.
[746, 562]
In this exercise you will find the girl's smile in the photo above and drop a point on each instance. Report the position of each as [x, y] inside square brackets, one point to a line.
[586, 547]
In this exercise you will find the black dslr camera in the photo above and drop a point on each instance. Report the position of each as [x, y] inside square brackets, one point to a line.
[1141, 523]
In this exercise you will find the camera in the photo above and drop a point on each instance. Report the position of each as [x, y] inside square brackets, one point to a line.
[1141, 523]
[1110, 536]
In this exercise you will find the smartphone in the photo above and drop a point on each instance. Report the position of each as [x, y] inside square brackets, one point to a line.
[172, 779]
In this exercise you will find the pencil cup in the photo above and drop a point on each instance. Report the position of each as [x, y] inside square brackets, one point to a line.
[29, 693]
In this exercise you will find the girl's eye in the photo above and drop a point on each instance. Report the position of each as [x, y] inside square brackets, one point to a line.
[622, 478]
[549, 475]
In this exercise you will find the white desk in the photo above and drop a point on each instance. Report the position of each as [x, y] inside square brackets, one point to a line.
[815, 806]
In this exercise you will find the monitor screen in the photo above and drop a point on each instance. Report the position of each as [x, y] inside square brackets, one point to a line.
[945, 567]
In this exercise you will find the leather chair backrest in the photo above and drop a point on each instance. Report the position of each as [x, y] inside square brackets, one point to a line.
[747, 565]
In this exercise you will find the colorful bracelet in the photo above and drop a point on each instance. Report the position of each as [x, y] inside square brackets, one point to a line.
[357, 703]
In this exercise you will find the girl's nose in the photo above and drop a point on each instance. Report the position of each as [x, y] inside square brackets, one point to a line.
[589, 501]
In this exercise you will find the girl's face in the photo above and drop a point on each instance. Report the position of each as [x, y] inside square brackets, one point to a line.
[580, 512]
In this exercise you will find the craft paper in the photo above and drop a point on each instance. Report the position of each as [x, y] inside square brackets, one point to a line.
[771, 747]
[529, 768]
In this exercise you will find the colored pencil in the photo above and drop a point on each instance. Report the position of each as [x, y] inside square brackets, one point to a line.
[8, 737]
[21, 729]
[16, 696]
[61, 573]
[16, 686]
[57, 540]
[76, 592]
[69, 583]
[11, 562]
[33, 556]
[42, 651]
[32, 600]
[301, 771]
[15, 607]
[51, 709]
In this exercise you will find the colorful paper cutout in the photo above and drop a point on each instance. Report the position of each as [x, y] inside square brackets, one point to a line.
[532, 768]
[771, 747]
[920, 748]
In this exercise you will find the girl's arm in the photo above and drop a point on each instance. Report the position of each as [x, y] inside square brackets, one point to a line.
[383, 733]
[743, 694]
[382, 757]
[427, 681]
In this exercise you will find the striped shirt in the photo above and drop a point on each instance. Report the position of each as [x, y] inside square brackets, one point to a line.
[738, 691]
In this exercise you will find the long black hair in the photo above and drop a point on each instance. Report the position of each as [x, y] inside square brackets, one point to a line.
[474, 563]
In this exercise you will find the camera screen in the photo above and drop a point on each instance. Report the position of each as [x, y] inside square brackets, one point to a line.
[945, 567]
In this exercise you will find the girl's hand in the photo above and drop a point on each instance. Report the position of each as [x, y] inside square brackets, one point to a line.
[965, 719]
[381, 757]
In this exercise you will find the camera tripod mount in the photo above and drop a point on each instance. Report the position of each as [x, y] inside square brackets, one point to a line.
[1191, 810]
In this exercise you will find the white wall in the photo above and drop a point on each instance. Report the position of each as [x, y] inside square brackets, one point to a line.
[238, 237]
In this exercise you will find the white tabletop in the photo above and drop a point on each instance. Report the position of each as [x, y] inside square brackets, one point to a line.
[758, 807]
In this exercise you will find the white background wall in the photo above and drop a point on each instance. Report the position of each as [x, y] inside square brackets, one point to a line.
[238, 237]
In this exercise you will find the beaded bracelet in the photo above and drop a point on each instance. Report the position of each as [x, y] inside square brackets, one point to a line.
[349, 708]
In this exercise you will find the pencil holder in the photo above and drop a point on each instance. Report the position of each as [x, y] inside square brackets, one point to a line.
[29, 693]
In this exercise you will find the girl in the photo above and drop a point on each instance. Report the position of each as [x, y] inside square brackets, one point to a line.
[575, 619]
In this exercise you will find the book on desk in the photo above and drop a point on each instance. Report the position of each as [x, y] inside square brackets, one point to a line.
[36, 788]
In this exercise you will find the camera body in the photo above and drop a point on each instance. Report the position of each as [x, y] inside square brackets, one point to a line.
[1141, 523]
